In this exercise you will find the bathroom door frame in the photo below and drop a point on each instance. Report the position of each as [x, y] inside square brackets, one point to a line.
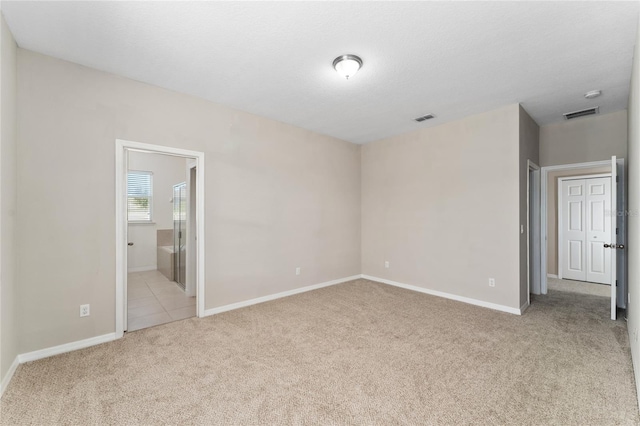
[122, 149]
[192, 233]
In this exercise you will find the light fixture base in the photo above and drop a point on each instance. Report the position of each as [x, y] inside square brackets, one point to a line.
[347, 65]
[593, 94]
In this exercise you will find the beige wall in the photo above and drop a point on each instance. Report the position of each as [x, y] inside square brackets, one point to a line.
[276, 197]
[633, 314]
[8, 294]
[581, 140]
[529, 150]
[552, 211]
[167, 171]
[442, 206]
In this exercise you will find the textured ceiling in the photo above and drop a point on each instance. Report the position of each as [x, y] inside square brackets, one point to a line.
[274, 59]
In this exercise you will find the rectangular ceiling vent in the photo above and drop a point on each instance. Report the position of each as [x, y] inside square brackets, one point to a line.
[576, 114]
[424, 118]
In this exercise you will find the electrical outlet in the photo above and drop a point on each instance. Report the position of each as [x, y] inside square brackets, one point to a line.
[298, 270]
[386, 264]
[492, 282]
[85, 310]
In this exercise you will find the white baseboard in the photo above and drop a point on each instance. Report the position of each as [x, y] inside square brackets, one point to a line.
[67, 347]
[552, 276]
[7, 377]
[263, 299]
[142, 269]
[524, 307]
[476, 302]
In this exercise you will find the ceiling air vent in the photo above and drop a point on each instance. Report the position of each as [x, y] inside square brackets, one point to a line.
[576, 114]
[424, 118]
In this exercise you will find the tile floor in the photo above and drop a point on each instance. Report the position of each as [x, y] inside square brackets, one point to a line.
[153, 300]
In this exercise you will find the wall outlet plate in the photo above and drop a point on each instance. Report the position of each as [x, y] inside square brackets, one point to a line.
[492, 282]
[386, 264]
[298, 270]
[85, 310]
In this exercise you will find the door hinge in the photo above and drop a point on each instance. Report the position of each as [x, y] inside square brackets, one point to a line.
[616, 231]
[617, 178]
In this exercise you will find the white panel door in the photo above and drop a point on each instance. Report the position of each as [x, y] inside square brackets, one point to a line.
[586, 230]
[573, 230]
[598, 227]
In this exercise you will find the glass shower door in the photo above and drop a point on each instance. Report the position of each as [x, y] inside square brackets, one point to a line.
[180, 234]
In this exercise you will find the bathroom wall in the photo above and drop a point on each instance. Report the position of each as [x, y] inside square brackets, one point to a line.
[167, 171]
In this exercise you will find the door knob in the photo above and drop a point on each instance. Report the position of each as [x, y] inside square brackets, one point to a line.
[129, 244]
[605, 245]
[621, 246]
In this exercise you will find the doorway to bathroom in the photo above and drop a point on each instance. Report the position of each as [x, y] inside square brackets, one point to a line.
[160, 228]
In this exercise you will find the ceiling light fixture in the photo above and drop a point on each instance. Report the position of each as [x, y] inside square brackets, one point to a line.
[347, 65]
[592, 94]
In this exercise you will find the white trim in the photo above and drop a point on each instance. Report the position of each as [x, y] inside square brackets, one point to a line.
[142, 268]
[275, 296]
[552, 276]
[7, 377]
[524, 307]
[560, 213]
[544, 177]
[67, 347]
[122, 146]
[468, 300]
[535, 244]
[578, 177]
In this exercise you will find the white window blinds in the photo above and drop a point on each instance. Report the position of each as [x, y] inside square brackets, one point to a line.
[139, 196]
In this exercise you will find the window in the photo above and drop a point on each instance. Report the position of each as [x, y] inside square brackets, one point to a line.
[139, 196]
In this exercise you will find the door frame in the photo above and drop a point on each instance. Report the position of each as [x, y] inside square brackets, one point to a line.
[533, 211]
[192, 246]
[560, 212]
[121, 149]
[544, 177]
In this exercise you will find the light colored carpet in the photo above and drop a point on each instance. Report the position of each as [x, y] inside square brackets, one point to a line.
[355, 353]
[582, 287]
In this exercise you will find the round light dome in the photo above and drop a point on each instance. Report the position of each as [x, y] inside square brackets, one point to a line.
[347, 65]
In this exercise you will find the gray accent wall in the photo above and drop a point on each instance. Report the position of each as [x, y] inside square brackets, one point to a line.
[633, 231]
[529, 150]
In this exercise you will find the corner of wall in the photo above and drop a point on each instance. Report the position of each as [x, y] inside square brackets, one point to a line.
[529, 150]
[8, 147]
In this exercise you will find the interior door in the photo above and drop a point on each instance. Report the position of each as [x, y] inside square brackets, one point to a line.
[598, 230]
[613, 218]
[574, 235]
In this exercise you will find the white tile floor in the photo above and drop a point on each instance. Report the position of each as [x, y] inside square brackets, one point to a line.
[153, 300]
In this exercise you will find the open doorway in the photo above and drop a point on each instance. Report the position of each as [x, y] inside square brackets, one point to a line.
[583, 236]
[160, 231]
